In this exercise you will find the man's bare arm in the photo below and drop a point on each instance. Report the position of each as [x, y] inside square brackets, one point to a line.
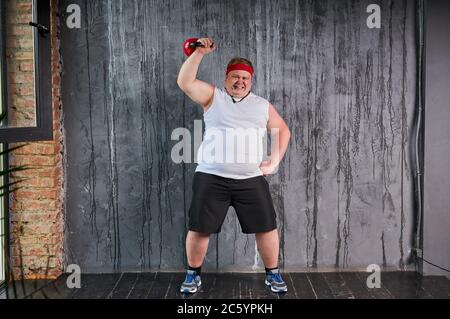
[281, 134]
[199, 91]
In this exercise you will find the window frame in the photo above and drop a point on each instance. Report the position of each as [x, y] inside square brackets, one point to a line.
[43, 131]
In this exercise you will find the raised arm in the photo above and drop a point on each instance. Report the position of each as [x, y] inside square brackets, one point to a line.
[199, 91]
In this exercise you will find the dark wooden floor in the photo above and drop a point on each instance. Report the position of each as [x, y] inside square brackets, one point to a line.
[164, 285]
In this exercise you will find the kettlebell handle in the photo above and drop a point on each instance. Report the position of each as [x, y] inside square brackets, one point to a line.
[198, 45]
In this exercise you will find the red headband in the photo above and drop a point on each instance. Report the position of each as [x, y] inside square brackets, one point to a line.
[240, 66]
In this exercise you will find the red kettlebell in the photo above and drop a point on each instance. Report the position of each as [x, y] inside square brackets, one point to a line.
[190, 45]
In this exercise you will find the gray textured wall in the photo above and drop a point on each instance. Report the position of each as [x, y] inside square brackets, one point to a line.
[437, 136]
[343, 192]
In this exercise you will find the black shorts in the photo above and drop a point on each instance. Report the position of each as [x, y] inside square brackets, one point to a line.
[213, 195]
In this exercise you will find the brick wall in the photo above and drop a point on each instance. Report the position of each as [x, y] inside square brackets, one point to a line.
[36, 210]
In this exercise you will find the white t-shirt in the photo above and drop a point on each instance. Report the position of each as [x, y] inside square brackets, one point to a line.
[234, 142]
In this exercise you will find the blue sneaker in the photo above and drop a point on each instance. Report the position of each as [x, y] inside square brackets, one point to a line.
[191, 283]
[275, 282]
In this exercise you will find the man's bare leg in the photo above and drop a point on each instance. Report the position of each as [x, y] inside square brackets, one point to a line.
[268, 247]
[196, 248]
